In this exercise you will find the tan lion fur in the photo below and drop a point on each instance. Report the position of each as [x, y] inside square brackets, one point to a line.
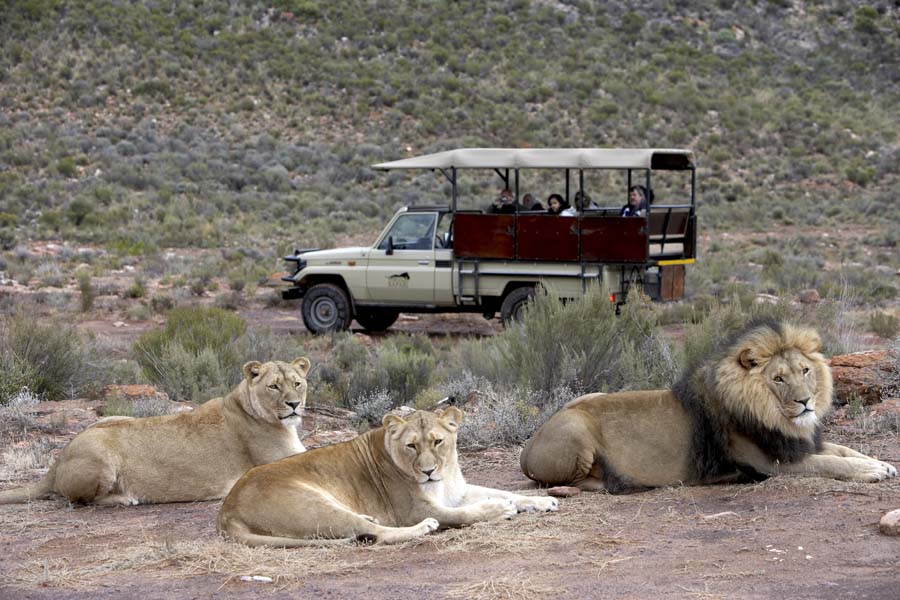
[184, 457]
[389, 485]
[753, 409]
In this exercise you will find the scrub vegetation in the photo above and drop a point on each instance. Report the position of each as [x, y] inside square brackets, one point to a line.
[188, 146]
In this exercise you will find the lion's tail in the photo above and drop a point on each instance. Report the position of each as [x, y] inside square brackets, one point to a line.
[41, 489]
[238, 532]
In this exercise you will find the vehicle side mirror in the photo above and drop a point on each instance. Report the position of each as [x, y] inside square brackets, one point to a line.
[390, 246]
[446, 239]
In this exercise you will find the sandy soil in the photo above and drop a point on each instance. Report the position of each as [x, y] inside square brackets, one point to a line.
[785, 537]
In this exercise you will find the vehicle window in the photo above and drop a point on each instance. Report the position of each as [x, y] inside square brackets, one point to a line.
[442, 239]
[411, 232]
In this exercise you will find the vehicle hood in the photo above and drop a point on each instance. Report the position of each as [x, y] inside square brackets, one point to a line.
[335, 254]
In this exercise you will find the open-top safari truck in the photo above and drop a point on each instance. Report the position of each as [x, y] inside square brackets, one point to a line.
[452, 259]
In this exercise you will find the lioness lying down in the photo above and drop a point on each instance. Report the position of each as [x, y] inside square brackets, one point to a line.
[754, 409]
[184, 457]
[389, 485]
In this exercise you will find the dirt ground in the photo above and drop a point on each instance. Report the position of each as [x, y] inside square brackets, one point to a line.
[785, 537]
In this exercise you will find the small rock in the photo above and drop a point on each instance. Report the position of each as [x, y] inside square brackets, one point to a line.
[120, 324]
[134, 391]
[563, 491]
[809, 297]
[257, 578]
[365, 340]
[886, 408]
[861, 375]
[890, 523]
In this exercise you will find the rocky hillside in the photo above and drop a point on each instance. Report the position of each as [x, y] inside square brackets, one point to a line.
[151, 123]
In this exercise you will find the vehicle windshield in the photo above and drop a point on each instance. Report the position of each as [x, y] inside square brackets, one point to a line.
[411, 232]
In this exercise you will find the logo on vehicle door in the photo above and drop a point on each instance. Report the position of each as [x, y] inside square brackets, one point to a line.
[398, 280]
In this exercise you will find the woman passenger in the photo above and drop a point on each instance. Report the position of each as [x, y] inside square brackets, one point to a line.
[556, 204]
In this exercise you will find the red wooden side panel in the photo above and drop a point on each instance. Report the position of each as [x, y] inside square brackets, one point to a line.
[484, 236]
[547, 237]
[614, 239]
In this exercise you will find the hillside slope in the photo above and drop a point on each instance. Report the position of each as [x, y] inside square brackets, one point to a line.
[155, 123]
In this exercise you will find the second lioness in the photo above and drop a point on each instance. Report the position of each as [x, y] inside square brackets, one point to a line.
[389, 485]
[184, 457]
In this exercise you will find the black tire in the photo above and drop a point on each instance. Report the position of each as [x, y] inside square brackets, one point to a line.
[376, 319]
[511, 311]
[326, 308]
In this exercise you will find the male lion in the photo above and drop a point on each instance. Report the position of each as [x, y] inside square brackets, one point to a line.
[389, 485]
[184, 457]
[754, 409]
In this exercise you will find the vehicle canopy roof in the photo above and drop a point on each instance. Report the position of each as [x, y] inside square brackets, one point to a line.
[548, 158]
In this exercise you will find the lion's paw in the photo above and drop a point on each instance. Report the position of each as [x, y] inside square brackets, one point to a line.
[496, 508]
[429, 525]
[537, 504]
[871, 470]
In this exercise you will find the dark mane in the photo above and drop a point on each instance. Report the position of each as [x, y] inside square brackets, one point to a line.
[709, 446]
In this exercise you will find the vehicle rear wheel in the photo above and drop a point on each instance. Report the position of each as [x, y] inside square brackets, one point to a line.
[326, 308]
[513, 308]
[376, 319]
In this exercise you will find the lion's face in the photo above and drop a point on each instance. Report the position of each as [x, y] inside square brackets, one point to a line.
[778, 379]
[791, 377]
[276, 391]
[423, 445]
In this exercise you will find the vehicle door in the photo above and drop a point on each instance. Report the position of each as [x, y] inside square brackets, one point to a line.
[443, 261]
[401, 266]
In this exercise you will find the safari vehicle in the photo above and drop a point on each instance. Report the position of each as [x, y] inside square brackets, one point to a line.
[452, 259]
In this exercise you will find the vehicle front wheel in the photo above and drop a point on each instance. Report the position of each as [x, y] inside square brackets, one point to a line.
[326, 308]
[376, 319]
[513, 308]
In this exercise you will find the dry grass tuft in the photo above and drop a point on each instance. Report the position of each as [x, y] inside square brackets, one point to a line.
[508, 587]
[185, 558]
[26, 456]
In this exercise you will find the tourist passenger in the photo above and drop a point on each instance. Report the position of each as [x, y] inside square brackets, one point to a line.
[503, 204]
[637, 202]
[556, 204]
[529, 203]
[582, 202]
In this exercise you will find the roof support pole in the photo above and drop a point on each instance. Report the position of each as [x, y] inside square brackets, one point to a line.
[517, 186]
[568, 196]
[451, 177]
[504, 177]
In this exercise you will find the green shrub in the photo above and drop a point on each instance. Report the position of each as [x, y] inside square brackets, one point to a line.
[194, 356]
[407, 365]
[400, 368]
[66, 167]
[88, 293]
[886, 325]
[49, 358]
[580, 344]
[137, 289]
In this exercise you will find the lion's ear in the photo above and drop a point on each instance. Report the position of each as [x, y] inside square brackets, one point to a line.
[452, 417]
[390, 420]
[302, 365]
[746, 359]
[252, 369]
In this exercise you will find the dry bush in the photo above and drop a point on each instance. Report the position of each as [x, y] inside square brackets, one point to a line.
[499, 415]
[18, 412]
[153, 406]
[20, 459]
[50, 358]
[400, 369]
[580, 344]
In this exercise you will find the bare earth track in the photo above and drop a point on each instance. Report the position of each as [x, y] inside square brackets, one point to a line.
[785, 537]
